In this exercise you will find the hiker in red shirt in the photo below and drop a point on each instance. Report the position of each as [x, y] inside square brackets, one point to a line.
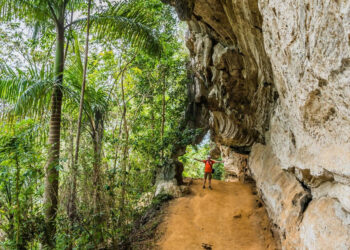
[208, 170]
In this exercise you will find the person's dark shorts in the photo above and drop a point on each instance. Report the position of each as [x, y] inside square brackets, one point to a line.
[207, 175]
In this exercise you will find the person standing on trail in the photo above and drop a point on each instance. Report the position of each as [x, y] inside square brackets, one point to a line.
[208, 170]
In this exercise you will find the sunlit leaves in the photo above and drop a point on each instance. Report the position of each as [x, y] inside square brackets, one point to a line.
[19, 190]
[125, 37]
[127, 20]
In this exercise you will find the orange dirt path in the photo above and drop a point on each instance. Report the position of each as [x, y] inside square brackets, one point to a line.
[228, 217]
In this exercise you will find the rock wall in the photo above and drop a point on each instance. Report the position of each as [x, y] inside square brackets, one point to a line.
[308, 46]
[235, 164]
[272, 78]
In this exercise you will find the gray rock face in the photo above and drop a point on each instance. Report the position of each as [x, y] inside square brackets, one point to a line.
[234, 164]
[229, 75]
[272, 78]
[308, 46]
[308, 43]
[305, 218]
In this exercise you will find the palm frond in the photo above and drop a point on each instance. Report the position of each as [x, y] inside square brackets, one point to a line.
[34, 99]
[78, 59]
[96, 97]
[24, 93]
[127, 20]
[28, 9]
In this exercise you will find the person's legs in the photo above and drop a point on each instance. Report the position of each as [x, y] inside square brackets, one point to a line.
[209, 180]
[205, 179]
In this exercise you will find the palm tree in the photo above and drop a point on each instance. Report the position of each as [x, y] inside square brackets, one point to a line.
[124, 19]
[49, 12]
[96, 112]
[95, 107]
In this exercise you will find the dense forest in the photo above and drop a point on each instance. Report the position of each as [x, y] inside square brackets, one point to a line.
[92, 97]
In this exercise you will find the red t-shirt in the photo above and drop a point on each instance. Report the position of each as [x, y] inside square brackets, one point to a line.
[208, 166]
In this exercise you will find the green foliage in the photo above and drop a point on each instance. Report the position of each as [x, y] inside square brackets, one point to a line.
[125, 135]
[219, 173]
[28, 92]
[161, 198]
[129, 20]
[194, 168]
[20, 191]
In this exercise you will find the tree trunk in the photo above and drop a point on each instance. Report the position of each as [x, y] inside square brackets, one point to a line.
[18, 208]
[52, 165]
[72, 200]
[124, 162]
[71, 206]
[163, 119]
[97, 201]
[112, 180]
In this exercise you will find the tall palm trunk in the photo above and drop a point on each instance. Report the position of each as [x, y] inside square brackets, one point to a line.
[52, 165]
[97, 137]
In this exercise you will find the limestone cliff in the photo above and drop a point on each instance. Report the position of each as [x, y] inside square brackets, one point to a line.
[272, 77]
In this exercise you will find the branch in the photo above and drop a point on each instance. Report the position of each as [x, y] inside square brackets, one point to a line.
[65, 3]
[119, 74]
[53, 12]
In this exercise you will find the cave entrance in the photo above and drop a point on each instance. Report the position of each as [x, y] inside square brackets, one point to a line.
[195, 169]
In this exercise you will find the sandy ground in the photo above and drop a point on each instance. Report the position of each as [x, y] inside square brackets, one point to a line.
[228, 217]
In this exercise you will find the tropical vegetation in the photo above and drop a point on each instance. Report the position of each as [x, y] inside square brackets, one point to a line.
[92, 99]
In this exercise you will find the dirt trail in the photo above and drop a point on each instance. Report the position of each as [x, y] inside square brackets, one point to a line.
[228, 217]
